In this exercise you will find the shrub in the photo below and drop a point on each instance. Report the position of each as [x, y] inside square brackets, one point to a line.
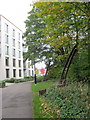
[39, 78]
[12, 80]
[17, 80]
[2, 84]
[71, 99]
[28, 78]
[54, 73]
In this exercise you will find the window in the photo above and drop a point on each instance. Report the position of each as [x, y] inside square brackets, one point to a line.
[13, 42]
[6, 39]
[19, 63]
[7, 73]
[6, 28]
[6, 50]
[19, 73]
[0, 38]
[19, 52]
[28, 64]
[18, 36]
[0, 49]
[13, 52]
[32, 66]
[14, 63]
[7, 61]
[18, 45]
[29, 72]
[32, 72]
[13, 33]
[14, 72]
[24, 65]
[25, 73]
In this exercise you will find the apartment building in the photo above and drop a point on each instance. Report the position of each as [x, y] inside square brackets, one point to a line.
[11, 52]
[12, 64]
[28, 69]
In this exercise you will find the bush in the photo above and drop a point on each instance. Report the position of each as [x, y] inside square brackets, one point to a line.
[17, 80]
[39, 78]
[28, 78]
[54, 73]
[2, 84]
[79, 69]
[20, 80]
[12, 80]
[71, 99]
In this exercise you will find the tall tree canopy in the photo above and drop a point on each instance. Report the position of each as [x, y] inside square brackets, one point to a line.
[55, 31]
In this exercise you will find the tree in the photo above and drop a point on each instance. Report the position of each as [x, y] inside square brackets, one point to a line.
[37, 50]
[62, 19]
[56, 32]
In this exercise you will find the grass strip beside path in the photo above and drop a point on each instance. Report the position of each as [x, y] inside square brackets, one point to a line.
[36, 97]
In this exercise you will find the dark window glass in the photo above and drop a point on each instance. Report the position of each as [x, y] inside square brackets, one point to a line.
[7, 61]
[19, 63]
[6, 50]
[13, 52]
[32, 72]
[7, 73]
[14, 63]
[14, 72]
[19, 73]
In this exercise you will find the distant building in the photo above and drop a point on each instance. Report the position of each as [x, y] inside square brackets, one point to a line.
[11, 51]
[28, 68]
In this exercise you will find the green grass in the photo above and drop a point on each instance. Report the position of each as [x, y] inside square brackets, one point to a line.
[36, 97]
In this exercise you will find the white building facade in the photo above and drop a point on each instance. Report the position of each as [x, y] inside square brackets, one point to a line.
[28, 68]
[12, 64]
[11, 51]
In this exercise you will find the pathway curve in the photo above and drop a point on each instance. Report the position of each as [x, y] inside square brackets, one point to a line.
[17, 101]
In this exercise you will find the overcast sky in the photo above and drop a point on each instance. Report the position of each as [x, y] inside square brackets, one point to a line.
[16, 11]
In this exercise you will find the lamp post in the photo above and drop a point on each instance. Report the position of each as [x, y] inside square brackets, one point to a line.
[35, 78]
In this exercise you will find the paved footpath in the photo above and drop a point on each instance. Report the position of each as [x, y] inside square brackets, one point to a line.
[0, 103]
[17, 101]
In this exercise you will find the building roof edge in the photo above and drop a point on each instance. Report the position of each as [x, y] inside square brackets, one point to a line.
[11, 22]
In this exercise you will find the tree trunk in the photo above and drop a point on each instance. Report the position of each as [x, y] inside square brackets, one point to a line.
[47, 69]
[62, 81]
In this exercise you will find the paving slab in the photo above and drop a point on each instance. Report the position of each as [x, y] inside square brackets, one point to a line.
[17, 101]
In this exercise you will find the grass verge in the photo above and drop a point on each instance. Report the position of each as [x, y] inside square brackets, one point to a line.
[37, 98]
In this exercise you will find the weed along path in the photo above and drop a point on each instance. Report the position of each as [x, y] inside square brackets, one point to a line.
[17, 101]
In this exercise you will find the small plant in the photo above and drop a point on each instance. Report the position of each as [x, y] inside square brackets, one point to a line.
[71, 99]
[2, 84]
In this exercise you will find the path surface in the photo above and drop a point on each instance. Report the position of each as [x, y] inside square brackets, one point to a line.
[17, 101]
[0, 103]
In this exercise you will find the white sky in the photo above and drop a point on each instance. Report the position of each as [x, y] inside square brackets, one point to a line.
[40, 65]
[17, 11]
